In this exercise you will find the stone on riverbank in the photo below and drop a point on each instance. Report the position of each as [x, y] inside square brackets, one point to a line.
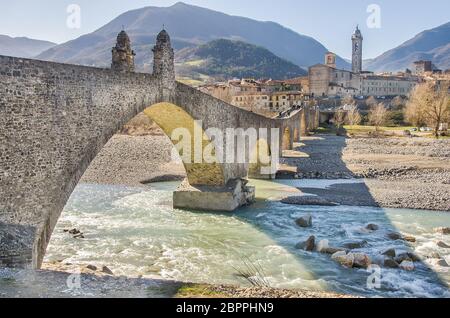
[304, 221]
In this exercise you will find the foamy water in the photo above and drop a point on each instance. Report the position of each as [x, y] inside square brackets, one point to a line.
[135, 231]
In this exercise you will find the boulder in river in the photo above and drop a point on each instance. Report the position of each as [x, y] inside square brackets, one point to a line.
[442, 230]
[107, 271]
[352, 245]
[361, 260]
[324, 248]
[74, 232]
[344, 259]
[407, 266]
[304, 221]
[409, 238]
[309, 245]
[442, 244]
[332, 250]
[408, 256]
[390, 253]
[395, 236]
[92, 267]
[390, 263]
[372, 227]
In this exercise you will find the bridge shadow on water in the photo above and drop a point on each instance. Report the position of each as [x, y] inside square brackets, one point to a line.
[340, 225]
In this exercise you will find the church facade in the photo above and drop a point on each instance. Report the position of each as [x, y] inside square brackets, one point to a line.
[325, 80]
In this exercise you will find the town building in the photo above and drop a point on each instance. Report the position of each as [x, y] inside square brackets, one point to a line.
[325, 80]
[423, 67]
[261, 96]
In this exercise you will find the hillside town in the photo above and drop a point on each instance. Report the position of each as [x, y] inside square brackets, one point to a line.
[328, 87]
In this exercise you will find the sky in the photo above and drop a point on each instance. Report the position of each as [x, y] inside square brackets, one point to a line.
[331, 22]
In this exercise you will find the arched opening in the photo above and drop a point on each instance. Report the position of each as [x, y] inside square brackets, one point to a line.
[296, 135]
[260, 161]
[303, 124]
[169, 118]
[286, 142]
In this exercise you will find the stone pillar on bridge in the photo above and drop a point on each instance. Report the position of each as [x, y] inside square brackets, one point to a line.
[164, 66]
[122, 54]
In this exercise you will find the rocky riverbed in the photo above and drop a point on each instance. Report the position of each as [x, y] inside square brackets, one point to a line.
[133, 160]
[399, 172]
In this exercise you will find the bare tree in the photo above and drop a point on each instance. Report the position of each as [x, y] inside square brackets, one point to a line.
[353, 116]
[377, 115]
[398, 102]
[418, 97]
[348, 100]
[339, 118]
[371, 102]
[429, 103]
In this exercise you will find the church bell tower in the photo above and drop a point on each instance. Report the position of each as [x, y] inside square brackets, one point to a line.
[357, 46]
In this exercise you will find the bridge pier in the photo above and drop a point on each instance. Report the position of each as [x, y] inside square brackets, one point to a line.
[214, 198]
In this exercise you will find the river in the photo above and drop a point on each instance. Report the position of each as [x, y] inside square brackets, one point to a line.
[135, 231]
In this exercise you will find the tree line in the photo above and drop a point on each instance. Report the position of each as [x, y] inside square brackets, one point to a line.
[428, 105]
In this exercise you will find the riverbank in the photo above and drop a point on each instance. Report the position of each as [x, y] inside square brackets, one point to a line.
[68, 280]
[134, 160]
[398, 172]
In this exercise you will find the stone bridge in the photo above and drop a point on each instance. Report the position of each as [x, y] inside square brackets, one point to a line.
[55, 118]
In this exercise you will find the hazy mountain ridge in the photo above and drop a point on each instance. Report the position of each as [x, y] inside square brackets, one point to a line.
[188, 26]
[23, 46]
[225, 59]
[431, 45]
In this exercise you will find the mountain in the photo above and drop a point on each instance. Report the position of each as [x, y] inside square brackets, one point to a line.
[225, 59]
[431, 45]
[189, 26]
[22, 47]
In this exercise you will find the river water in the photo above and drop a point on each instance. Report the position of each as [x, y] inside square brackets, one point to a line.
[135, 231]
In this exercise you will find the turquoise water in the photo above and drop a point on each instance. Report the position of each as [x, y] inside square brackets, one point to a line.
[135, 231]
